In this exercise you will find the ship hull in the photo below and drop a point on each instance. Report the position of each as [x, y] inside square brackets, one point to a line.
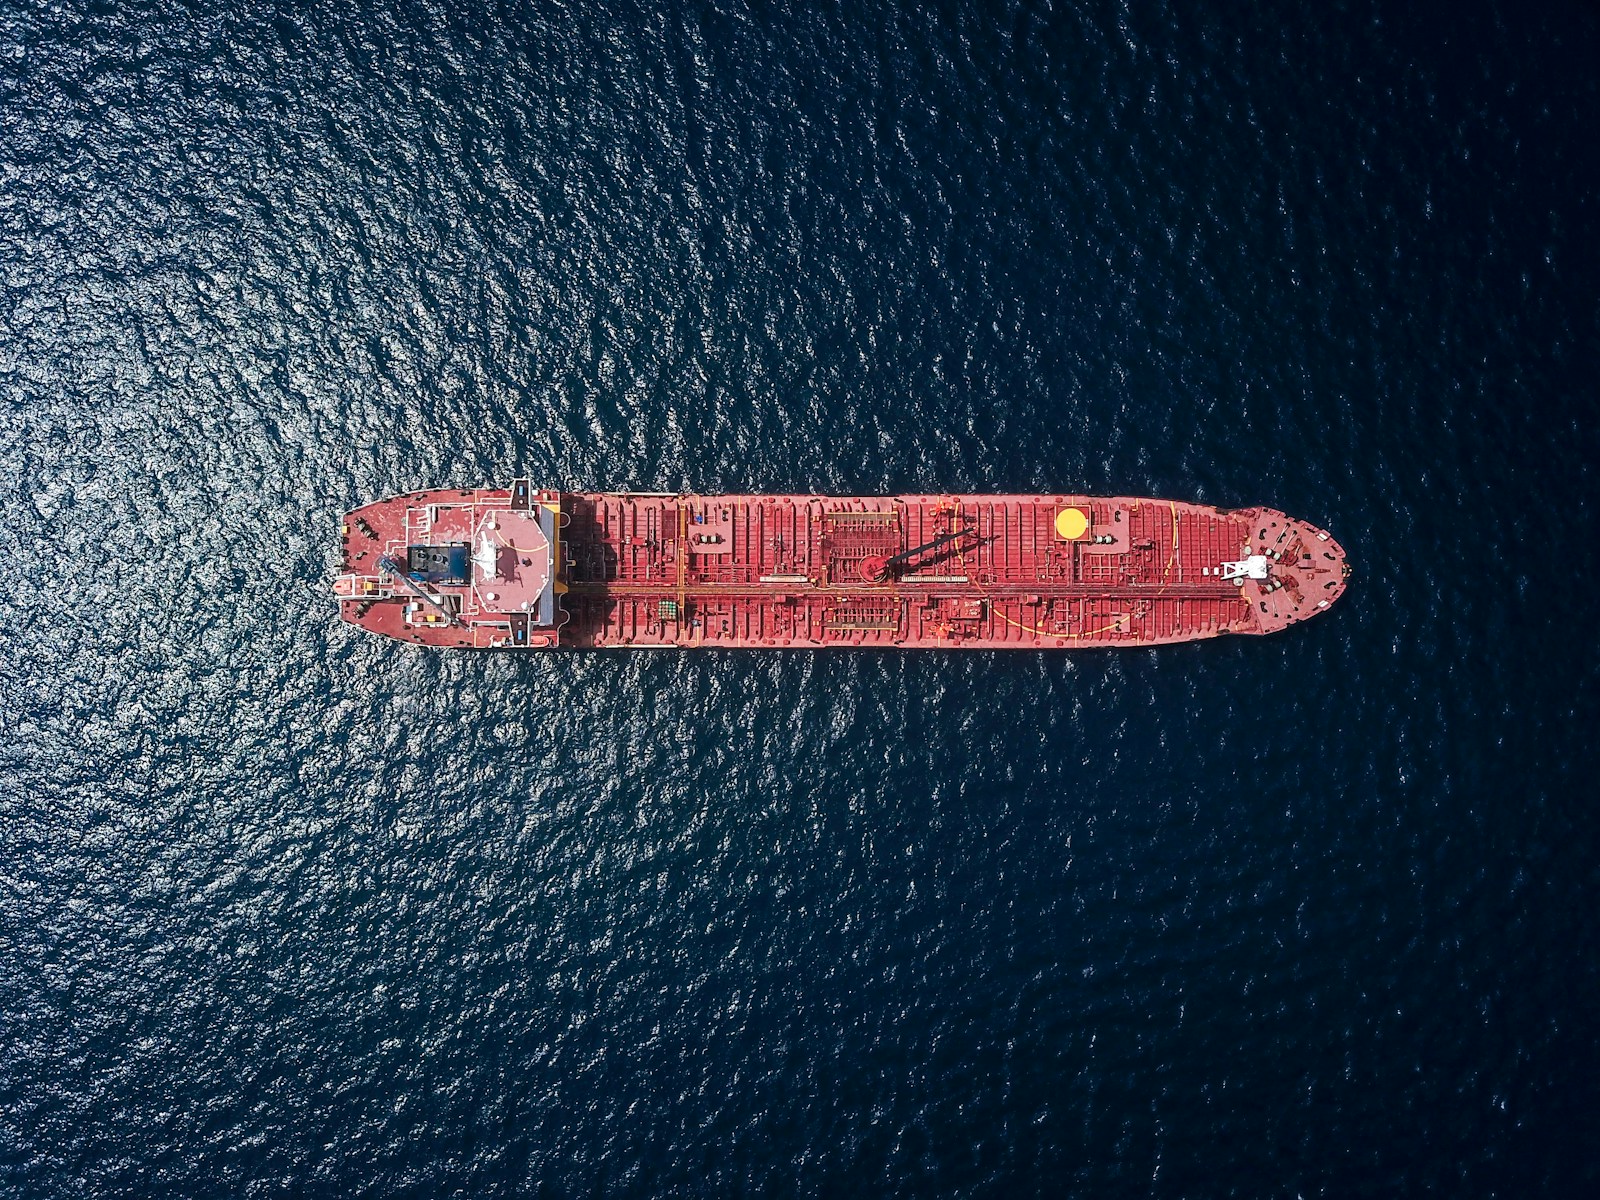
[512, 568]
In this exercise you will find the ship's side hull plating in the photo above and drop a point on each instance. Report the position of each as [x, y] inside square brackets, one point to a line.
[515, 568]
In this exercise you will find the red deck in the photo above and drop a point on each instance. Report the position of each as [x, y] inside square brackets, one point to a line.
[587, 569]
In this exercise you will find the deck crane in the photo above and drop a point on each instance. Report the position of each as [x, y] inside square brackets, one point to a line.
[878, 568]
[395, 570]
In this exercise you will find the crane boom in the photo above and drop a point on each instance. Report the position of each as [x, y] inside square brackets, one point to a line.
[905, 556]
[394, 569]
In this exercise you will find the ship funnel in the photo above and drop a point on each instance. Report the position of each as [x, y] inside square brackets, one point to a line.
[485, 559]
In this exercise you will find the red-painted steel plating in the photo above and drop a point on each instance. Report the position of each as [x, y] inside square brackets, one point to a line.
[520, 569]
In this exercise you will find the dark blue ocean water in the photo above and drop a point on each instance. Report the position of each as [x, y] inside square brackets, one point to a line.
[288, 911]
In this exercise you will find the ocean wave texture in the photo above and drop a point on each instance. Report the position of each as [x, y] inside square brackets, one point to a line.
[287, 911]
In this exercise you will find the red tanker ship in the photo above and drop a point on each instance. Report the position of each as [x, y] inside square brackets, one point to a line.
[522, 569]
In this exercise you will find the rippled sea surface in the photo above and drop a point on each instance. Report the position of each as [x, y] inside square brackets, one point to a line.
[285, 910]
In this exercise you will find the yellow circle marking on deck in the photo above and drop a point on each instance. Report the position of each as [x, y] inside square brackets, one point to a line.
[1072, 524]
